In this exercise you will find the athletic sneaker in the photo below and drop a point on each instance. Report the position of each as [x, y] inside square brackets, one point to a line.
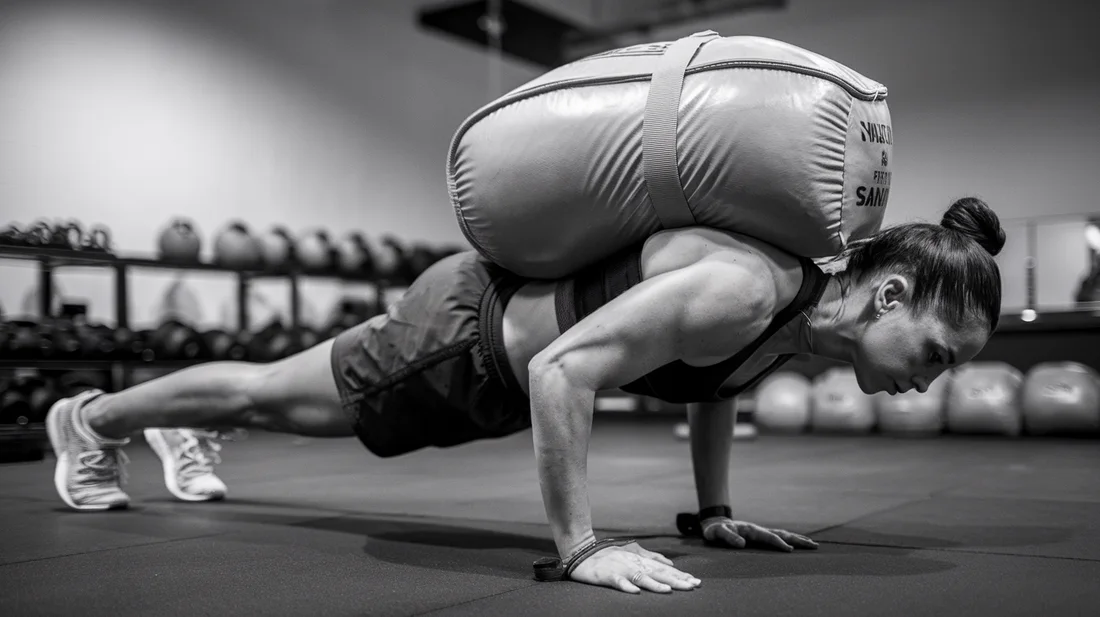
[188, 457]
[90, 469]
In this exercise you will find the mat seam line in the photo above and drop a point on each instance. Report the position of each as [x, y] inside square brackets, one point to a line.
[472, 600]
[108, 550]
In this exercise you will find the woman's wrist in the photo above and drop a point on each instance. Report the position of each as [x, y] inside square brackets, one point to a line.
[722, 511]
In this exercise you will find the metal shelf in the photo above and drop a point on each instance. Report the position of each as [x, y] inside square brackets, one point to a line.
[57, 258]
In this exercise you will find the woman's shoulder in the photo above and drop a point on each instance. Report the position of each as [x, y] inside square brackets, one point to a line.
[676, 249]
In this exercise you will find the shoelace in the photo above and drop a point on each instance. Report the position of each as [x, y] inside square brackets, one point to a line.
[102, 467]
[199, 453]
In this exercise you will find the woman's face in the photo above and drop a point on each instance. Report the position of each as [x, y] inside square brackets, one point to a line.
[901, 350]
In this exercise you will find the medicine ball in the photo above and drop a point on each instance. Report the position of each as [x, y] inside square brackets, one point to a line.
[914, 413]
[839, 404]
[1061, 397]
[783, 402]
[984, 397]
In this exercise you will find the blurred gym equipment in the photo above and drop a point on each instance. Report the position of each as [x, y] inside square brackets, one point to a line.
[1061, 397]
[839, 405]
[984, 398]
[179, 242]
[234, 247]
[783, 402]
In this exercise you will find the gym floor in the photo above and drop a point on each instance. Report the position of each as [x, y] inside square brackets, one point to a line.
[941, 526]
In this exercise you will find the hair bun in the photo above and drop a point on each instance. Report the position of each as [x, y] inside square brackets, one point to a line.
[974, 218]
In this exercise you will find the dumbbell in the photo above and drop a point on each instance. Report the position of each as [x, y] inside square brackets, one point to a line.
[28, 340]
[224, 346]
[15, 405]
[173, 340]
[97, 342]
[27, 400]
[272, 342]
[73, 383]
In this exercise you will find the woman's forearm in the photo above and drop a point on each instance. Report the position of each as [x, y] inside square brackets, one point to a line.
[561, 422]
[711, 441]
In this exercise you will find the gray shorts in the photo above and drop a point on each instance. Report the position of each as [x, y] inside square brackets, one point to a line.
[433, 371]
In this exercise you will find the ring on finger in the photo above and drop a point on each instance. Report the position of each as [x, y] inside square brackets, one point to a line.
[637, 577]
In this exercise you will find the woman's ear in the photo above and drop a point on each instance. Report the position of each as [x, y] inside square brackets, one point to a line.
[892, 292]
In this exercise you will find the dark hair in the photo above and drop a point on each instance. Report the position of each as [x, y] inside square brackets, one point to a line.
[950, 265]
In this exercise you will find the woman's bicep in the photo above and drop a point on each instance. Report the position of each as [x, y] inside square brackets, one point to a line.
[702, 310]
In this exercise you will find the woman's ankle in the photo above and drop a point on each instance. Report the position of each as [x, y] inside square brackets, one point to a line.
[97, 419]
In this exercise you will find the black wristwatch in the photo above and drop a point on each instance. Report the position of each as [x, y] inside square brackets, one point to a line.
[691, 525]
[551, 569]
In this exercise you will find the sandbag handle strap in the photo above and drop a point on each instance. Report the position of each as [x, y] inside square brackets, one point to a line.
[662, 109]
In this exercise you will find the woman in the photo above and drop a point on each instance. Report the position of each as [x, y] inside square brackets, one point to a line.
[691, 315]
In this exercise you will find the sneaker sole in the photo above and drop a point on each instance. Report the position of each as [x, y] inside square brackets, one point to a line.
[164, 453]
[61, 470]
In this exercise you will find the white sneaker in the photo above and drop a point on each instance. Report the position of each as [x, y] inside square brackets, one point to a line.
[90, 470]
[188, 457]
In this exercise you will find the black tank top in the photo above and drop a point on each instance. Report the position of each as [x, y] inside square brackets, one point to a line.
[677, 382]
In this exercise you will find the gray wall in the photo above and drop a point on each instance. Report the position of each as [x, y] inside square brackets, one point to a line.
[338, 114]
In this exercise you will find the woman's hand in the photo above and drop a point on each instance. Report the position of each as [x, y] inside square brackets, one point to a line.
[736, 534]
[632, 568]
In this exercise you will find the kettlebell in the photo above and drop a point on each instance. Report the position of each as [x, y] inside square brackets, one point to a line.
[420, 258]
[354, 256]
[179, 242]
[389, 260]
[98, 240]
[278, 250]
[40, 234]
[13, 235]
[235, 248]
[315, 252]
[68, 236]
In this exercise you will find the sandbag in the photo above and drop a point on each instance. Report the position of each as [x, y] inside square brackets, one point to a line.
[1061, 397]
[783, 403]
[984, 397]
[839, 405]
[913, 413]
[745, 134]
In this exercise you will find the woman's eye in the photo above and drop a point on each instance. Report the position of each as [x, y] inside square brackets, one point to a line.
[934, 358]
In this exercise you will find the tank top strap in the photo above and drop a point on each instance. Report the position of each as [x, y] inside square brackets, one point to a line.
[813, 286]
